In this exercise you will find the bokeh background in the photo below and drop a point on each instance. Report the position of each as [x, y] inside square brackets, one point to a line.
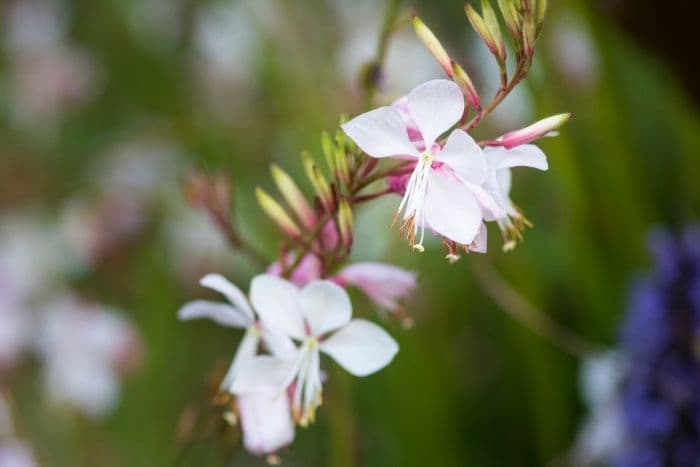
[105, 107]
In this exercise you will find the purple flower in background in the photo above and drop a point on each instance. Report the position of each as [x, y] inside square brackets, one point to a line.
[660, 395]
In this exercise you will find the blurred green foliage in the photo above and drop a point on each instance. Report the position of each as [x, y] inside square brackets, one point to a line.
[469, 386]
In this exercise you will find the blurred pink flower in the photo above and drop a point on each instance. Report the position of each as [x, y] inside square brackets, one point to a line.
[382, 283]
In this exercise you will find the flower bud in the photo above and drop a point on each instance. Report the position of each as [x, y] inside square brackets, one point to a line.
[465, 84]
[432, 44]
[511, 17]
[529, 35]
[541, 13]
[484, 30]
[321, 186]
[293, 196]
[345, 224]
[341, 158]
[277, 213]
[491, 21]
[532, 132]
[328, 151]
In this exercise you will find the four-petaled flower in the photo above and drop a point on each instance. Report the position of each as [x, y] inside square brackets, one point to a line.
[318, 318]
[444, 191]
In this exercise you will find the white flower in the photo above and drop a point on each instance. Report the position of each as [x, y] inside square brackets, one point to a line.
[319, 318]
[500, 160]
[265, 418]
[444, 191]
[85, 349]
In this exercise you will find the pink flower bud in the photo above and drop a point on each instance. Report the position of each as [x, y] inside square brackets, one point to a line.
[532, 132]
[309, 269]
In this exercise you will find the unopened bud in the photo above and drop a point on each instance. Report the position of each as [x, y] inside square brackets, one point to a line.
[532, 132]
[321, 186]
[341, 158]
[293, 196]
[328, 151]
[529, 35]
[511, 17]
[277, 213]
[465, 84]
[345, 224]
[541, 13]
[483, 29]
[491, 21]
[432, 44]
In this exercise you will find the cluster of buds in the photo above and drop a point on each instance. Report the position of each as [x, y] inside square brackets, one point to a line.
[450, 184]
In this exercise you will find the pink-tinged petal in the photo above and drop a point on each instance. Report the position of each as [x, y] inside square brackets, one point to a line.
[491, 207]
[380, 133]
[227, 289]
[479, 245]
[465, 157]
[401, 106]
[527, 155]
[221, 313]
[451, 209]
[266, 422]
[246, 349]
[309, 269]
[326, 306]
[361, 347]
[382, 283]
[277, 303]
[264, 374]
[435, 106]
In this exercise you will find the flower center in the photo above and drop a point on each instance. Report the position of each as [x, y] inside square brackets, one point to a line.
[413, 202]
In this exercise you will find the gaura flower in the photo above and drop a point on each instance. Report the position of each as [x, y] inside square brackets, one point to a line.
[318, 317]
[265, 417]
[444, 190]
[500, 160]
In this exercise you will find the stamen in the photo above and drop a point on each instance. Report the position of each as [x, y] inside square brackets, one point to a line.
[413, 203]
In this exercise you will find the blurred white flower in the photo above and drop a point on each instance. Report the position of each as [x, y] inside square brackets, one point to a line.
[32, 255]
[602, 434]
[85, 349]
[15, 453]
[15, 330]
[195, 245]
[407, 63]
[34, 25]
[574, 52]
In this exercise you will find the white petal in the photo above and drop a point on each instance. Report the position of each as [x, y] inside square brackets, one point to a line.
[221, 313]
[266, 423]
[247, 349]
[435, 106]
[263, 374]
[227, 289]
[490, 203]
[326, 306]
[465, 157]
[480, 242]
[527, 155]
[504, 179]
[380, 133]
[451, 209]
[361, 347]
[277, 303]
[279, 345]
